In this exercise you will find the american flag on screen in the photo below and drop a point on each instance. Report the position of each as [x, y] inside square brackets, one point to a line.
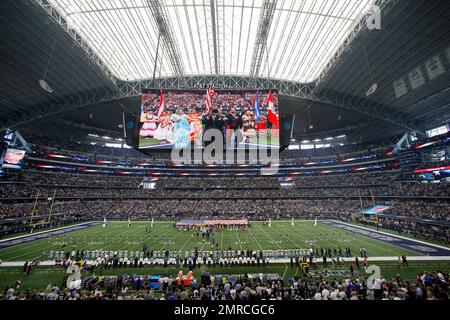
[272, 117]
[209, 95]
[162, 106]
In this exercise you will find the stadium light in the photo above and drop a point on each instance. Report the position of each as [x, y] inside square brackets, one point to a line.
[45, 86]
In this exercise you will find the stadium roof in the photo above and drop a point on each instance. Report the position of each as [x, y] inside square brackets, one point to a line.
[214, 37]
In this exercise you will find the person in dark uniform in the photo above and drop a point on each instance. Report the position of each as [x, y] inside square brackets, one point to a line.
[234, 126]
[214, 120]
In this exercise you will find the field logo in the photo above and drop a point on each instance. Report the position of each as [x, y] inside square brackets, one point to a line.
[376, 275]
[74, 279]
[423, 248]
[373, 21]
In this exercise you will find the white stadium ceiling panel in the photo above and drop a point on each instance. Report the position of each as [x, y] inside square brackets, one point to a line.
[303, 36]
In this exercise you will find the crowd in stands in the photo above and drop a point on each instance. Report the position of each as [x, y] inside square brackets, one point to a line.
[14, 191]
[35, 177]
[42, 145]
[337, 151]
[255, 198]
[376, 179]
[287, 157]
[82, 197]
[176, 100]
[171, 209]
[415, 229]
[425, 210]
[208, 287]
[381, 184]
[271, 182]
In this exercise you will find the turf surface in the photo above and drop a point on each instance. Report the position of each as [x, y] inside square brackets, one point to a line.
[118, 236]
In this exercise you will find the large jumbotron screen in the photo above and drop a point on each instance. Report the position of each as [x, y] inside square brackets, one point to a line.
[180, 119]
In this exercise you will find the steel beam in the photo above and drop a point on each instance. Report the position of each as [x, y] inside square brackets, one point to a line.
[265, 22]
[214, 33]
[78, 40]
[167, 35]
[287, 88]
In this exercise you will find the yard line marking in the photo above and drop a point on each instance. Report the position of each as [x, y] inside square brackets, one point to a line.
[38, 245]
[277, 245]
[257, 242]
[382, 246]
[295, 244]
[285, 271]
[185, 244]
[239, 240]
[96, 231]
[172, 239]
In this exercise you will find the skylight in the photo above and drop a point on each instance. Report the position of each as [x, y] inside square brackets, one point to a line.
[303, 36]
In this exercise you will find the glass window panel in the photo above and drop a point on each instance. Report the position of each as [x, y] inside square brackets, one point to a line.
[303, 36]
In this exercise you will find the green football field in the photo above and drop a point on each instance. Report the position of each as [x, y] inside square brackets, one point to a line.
[273, 141]
[281, 235]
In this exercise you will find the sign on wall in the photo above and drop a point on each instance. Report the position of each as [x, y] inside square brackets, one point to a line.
[400, 88]
[434, 67]
[416, 78]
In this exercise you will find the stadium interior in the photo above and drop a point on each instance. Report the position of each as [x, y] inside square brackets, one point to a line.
[353, 95]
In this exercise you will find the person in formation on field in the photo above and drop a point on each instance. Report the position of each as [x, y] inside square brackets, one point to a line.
[352, 269]
[314, 262]
[366, 262]
[305, 267]
[405, 261]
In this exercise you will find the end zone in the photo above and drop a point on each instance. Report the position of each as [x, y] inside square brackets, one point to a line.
[420, 247]
[45, 234]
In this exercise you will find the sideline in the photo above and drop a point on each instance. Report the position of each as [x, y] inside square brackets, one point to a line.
[272, 261]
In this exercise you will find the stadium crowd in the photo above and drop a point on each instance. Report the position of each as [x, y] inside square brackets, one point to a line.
[437, 233]
[42, 145]
[427, 286]
[377, 184]
[81, 197]
[170, 209]
[68, 193]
